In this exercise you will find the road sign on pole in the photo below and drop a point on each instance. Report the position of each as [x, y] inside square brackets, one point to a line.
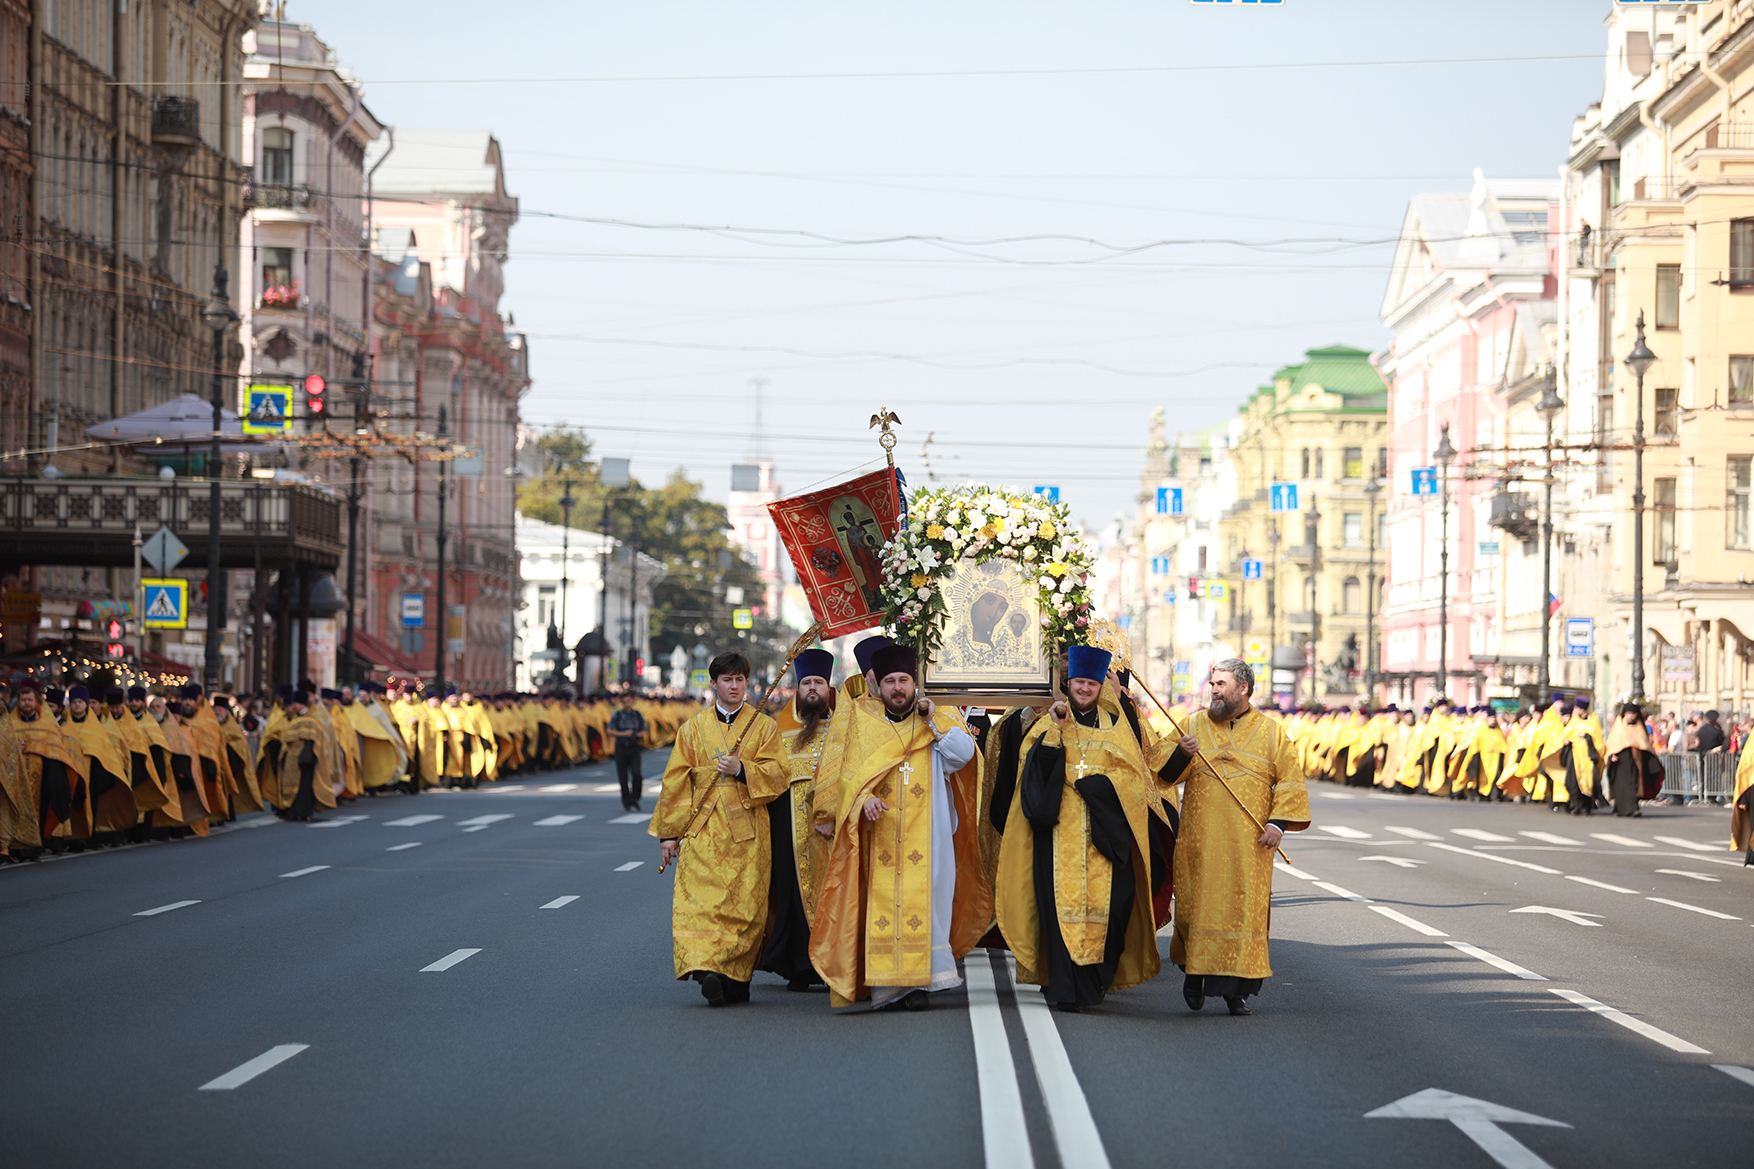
[1169, 501]
[1251, 570]
[1160, 566]
[163, 550]
[1580, 637]
[1284, 497]
[1052, 493]
[413, 610]
[167, 603]
[1424, 480]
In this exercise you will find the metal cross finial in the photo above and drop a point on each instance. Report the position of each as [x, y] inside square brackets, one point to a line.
[885, 417]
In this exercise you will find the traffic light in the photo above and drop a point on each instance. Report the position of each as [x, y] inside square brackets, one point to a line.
[315, 388]
[113, 633]
[1193, 588]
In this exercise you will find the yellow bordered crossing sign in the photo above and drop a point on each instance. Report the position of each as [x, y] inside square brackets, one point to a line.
[167, 603]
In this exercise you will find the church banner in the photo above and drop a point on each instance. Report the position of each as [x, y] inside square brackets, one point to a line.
[835, 538]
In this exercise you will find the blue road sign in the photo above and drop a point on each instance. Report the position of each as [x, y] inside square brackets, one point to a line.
[1251, 570]
[167, 603]
[1424, 480]
[413, 610]
[1169, 501]
[1169, 596]
[1284, 497]
[1160, 566]
[1580, 637]
[1124, 621]
[1052, 493]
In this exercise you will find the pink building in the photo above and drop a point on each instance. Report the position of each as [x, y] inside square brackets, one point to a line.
[1471, 303]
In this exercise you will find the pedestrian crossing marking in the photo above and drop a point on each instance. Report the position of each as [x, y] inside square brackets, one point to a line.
[556, 821]
[484, 821]
[1482, 834]
[632, 818]
[411, 821]
[1413, 833]
[166, 908]
[629, 867]
[1551, 838]
[1694, 845]
[250, 1069]
[1344, 832]
[1625, 841]
[559, 902]
[449, 960]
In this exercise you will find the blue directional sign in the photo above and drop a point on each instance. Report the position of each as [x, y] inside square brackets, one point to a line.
[1284, 497]
[1169, 597]
[1124, 622]
[1169, 501]
[1580, 637]
[1052, 493]
[1424, 480]
[1251, 570]
[167, 603]
[1160, 566]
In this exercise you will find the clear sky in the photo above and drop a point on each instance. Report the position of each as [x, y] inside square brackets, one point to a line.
[1125, 205]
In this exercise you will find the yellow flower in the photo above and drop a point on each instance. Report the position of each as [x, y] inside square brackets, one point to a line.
[1057, 568]
[919, 579]
[935, 532]
[1046, 531]
[990, 531]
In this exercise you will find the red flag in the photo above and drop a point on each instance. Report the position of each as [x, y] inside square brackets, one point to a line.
[835, 538]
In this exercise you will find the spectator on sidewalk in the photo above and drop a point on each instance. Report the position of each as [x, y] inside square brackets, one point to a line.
[628, 727]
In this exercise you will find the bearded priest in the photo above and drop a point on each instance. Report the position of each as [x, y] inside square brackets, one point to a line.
[903, 895]
[798, 847]
[1077, 868]
[1245, 790]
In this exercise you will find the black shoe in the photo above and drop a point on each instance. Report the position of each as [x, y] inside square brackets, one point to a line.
[1237, 1004]
[798, 984]
[712, 989]
[915, 1000]
[1196, 999]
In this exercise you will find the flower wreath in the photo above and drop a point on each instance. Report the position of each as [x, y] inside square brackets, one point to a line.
[945, 524]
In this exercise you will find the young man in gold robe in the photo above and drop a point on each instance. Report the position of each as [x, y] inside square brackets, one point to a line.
[1244, 792]
[382, 756]
[299, 757]
[726, 765]
[106, 772]
[1582, 756]
[903, 895]
[54, 769]
[240, 772]
[798, 847]
[1080, 862]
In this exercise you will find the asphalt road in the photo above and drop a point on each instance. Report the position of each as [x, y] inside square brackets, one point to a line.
[484, 978]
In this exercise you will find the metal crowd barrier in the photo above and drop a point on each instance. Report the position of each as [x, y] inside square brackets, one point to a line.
[1692, 779]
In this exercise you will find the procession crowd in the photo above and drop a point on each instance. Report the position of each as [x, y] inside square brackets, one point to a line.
[79, 770]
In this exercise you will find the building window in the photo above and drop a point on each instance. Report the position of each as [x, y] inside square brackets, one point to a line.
[1667, 421]
[1202, 567]
[1736, 501]
[545, 606]
[1354, 529]
[1320, 471]
[1305, 474]
[277, 286]
[1382, 462]
[1354, 468]
[1352, 593]
[1741, 379]
[276, 157]
[1668, 296]
[1663, 515]
[1611, 182]
[1741, 253]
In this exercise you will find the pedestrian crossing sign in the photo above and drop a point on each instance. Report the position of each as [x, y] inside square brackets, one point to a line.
[269, 409]
[699, 680]
[167, 603]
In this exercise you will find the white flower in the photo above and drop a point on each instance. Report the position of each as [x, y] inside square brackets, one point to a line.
[1066, 584]
[923, 593]
[952, 535]
[1010, 553]
[927, 559]
[977, 520]
[1029, 552]
[1046, 582]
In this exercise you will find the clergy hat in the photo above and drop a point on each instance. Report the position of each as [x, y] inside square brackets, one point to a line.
[894, 659]
[865, 652]
[450, 691]
[1087, 662]
[55, 695]
[31, 684]
[114, 696]
[136, 693]
[302, 697]
[333, 694]
[78, 694]
[1582, 702]
[814, 663]
[191, 690]
[286, 692]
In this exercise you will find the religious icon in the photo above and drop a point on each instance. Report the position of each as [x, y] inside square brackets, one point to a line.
[991, 636]
[862, 540]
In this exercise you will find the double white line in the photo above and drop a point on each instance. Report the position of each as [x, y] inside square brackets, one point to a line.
[1004, 1132]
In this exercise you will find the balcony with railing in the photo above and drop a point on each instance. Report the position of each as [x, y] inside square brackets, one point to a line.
[1516, 514]
[176, 122]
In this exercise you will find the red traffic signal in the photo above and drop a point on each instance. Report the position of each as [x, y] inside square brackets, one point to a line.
[1193, 588]
[315, 387]
[113, 630]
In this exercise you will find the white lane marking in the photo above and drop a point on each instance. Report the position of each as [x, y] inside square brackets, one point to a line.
[1343, 832]
[449, 960]
[559, 787]
[1336, 795]
[484, 821]
[400, 847]
[1602, 885]
[1384, 796]
[1616, 838]
[165, 908]
[1491, 959]
[1492, 856]
[1292, 871]
[629, 867]
[304, 872]
[411, 821]
[559, 902]
[249, 1070]
[556, 821]
[478, 828]
[497, 790]
[1075, 1134]
[1575, 917]
[1736, 1073]
[1673, 1043]
[1482, 834]
[1410, 923]
[632, 818]
[1694, 845]
[1551, 838]
[1339, 892]
[1400, 862]
[1695, 876]
[1412, 833]
[1478, 1120]
[336, 821]
[1004, 1132]
[1694, 909]
[608, 789]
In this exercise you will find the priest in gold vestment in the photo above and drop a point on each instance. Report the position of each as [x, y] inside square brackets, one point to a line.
[903, 895]
[1244, 792]
[798, 848]
[712, 825]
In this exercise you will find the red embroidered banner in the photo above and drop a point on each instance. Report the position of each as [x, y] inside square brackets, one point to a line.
[835, 538]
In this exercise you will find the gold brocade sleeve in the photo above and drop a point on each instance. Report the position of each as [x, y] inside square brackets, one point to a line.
[676, 799]
[1290, 791]
[766, 773]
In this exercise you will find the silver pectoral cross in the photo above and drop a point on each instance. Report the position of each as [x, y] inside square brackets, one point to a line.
[1083, 768]
[906, 771]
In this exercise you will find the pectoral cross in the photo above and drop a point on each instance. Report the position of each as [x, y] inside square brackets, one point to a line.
[906, 771]
[1083, 768]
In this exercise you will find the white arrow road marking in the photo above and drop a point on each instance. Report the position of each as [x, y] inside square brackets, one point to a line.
[1736, 1073]
[1602, 885]
[449, 960]
[1551, 838]
[1483, 835]
[1478, 1120]
[1628, 1022]
[1571, 915]
[632, 818]
[245, 1072]
[304, 872]
[1295, 872]
[165, 908]
[556, 821]
[1343, 832]
[1694, 909]
[484, 821]
[1412, 833]
[411, 821]
[559, 902]
[1075, 1133]
[1492, 856]
[1410, 923]
[1494, 960]
[1624, 841]
[1400, 862]
[1695, 876]
[1003, 1130]
[629, 867]
[1339, 892]
[1692, 845]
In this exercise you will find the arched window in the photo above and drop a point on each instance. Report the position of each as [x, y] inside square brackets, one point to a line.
[1352, 594]
[1305, 474]
[1319, 473]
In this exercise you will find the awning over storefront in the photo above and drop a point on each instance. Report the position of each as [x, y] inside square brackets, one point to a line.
[385, 657]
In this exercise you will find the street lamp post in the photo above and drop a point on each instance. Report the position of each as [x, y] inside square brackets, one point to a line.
[1549, 407]
[1312, 536]
[444, 624]
[566, 506]
[1639, 362]
[1372, 491]
[219, 317]
[1445, 454]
